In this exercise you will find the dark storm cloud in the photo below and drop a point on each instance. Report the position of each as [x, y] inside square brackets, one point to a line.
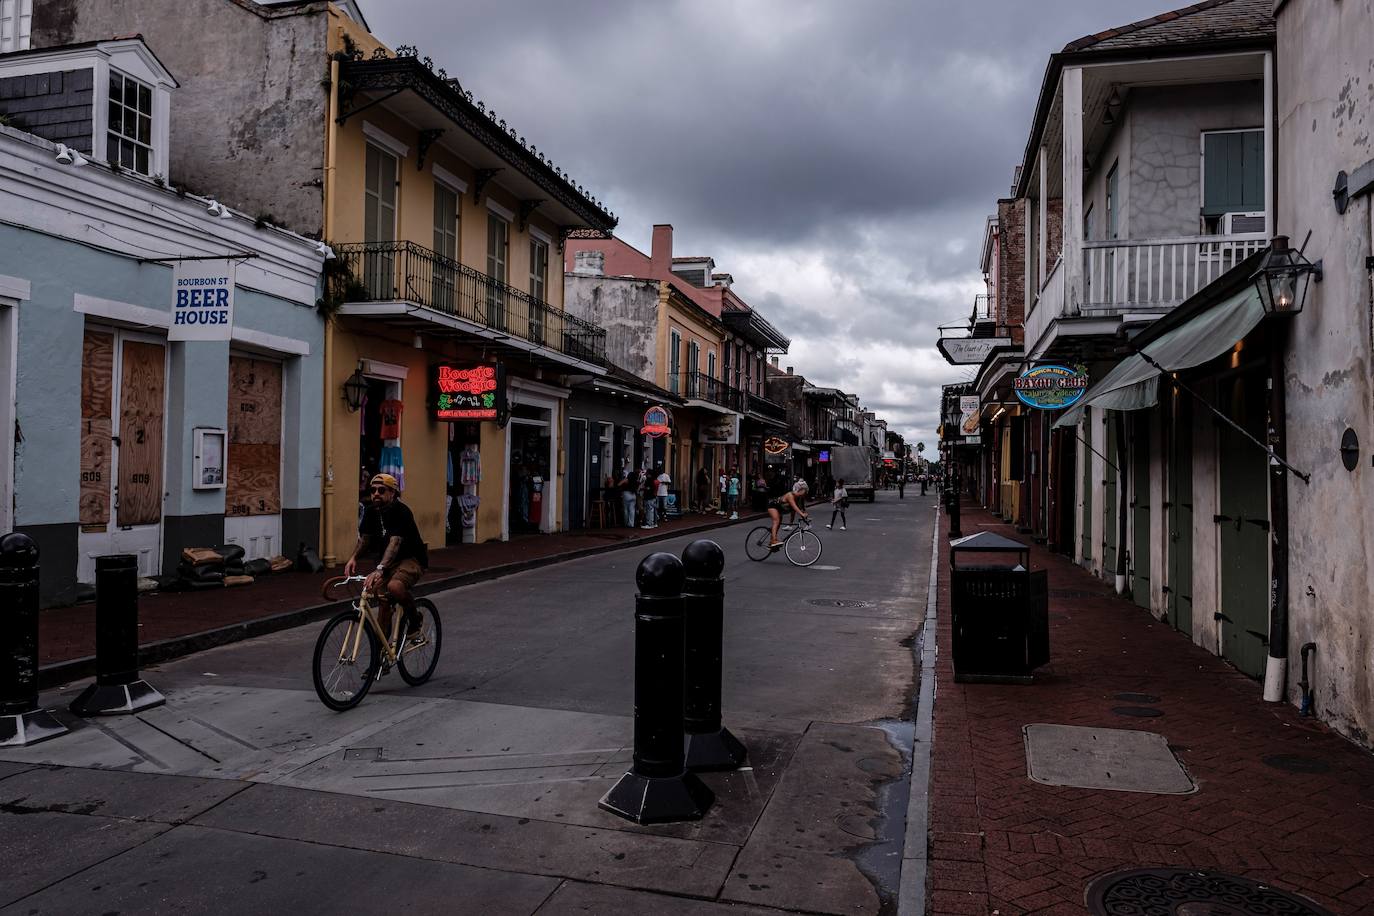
[838, 158]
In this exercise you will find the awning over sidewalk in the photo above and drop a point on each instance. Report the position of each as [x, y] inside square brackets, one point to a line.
[1134, 383]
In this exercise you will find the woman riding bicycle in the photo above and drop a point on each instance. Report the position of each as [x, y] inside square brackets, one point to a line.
[794, 501]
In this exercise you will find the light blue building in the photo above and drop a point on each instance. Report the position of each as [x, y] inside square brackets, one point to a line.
[115, 437]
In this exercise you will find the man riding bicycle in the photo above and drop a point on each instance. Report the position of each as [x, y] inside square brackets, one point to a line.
[794, 501]
[388, 521]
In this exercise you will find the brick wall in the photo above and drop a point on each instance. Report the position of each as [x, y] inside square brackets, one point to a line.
[54, 106]
[1054, 232]
[1010, 304]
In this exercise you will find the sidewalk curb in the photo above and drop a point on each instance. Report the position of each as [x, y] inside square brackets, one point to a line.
[911, 893]
[60, 673]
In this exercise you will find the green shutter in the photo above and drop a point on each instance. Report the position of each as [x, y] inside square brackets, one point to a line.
[1233, 172]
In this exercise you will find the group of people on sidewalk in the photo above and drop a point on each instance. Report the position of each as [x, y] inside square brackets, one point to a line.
[643, 496]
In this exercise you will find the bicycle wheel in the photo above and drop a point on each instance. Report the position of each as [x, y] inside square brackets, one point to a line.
[803, 548]
[418, 657]
[342, 678]
[756, 543]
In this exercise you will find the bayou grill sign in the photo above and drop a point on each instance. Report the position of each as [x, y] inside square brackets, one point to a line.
[658, 422]
[1051, 387]
[475, 392]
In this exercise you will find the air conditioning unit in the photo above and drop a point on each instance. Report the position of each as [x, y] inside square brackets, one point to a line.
[1242, 223]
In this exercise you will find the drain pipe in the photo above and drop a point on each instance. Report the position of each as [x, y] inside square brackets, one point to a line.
[1121, 502]
[1306, 708]
[1276, 667]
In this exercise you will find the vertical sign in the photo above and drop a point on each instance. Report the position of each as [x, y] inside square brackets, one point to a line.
[968, 407]
[202, 300]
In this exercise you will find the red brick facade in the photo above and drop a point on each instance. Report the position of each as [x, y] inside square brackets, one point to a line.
[1010, 304]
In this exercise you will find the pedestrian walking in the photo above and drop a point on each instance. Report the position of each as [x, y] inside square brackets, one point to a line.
[626, 484]
[839, 501]
[644, 488]
[733, 494]
[723, 485]
[661, 484]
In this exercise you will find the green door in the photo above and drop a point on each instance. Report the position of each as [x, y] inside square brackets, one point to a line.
[1244, 527]
[1086, 522]
[1109, 498]
[1140, 507]
[1180, 518]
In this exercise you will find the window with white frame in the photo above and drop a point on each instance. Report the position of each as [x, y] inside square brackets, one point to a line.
[15, 17]
[1233, 181]
[130, 126]
[539, 269]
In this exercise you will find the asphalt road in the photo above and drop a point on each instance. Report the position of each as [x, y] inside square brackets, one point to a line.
[477, 791]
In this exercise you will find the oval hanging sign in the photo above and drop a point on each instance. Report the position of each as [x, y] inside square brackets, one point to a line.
[1051, 387]
[774, 445]
[657, 422]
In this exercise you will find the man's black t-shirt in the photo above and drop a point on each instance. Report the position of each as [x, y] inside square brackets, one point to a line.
[393, 521]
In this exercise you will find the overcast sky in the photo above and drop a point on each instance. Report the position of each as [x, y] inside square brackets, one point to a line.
[837, 157]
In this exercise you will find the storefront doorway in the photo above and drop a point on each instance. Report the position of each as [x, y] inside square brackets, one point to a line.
[530, 487]
[253, 471]
[379, 449]
[123, 402]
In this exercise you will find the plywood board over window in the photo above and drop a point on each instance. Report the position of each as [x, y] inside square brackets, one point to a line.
[97, 380]
[253, 477]
[141, 396]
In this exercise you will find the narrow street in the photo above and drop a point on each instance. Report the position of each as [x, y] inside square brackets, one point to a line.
[244, 794]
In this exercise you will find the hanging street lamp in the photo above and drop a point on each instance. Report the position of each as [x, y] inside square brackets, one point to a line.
[1283, 277]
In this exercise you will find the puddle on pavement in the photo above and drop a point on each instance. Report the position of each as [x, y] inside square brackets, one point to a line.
[880, 859]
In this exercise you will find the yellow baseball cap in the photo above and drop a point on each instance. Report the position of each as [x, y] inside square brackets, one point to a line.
[385, 480]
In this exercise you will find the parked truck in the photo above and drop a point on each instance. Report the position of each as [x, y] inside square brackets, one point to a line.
[854, 465]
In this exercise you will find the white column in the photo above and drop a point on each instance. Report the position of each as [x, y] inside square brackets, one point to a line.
[1072, 222]
[1270, 179]
[1041, 249]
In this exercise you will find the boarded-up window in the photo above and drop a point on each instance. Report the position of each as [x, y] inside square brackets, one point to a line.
[141, 384]
[253, 478]
[97, 379]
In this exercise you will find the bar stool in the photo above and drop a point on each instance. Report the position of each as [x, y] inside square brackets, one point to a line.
[597, 513]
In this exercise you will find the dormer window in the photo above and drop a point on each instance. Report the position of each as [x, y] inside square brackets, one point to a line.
[131, 124]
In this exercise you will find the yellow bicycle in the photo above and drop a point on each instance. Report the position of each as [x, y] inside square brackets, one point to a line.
[353, 652]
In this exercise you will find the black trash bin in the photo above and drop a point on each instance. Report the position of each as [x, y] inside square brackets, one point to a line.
[999, 610]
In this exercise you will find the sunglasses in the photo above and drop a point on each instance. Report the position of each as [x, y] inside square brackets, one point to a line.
[380, 489]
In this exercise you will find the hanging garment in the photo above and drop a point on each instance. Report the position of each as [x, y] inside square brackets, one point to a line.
[467, 508]
[449, 478]
[448, 514]
[392, 463]
[470, 466]
[391, 418]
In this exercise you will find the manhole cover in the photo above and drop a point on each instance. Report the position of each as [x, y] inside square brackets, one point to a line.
[1186, 892]
[1297, 763]
[1137, 697]
[839, 602]
[1138, 712]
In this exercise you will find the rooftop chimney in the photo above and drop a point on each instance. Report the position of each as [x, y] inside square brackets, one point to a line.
[775, 361]
[589, 263]
[789, 370]
[661, 253]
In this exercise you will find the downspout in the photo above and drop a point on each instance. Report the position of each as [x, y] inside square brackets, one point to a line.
[1121, 502]
[327, 490]
[1276, 668]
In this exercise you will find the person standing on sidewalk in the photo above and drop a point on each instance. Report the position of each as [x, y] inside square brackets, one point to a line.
[839, 501]
[644, 488]
[723, 485]
[733, 494]
[626, 483]
[703, 490]
[661, 484]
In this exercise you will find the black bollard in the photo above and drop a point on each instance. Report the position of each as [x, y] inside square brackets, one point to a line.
[709, 745]
[21, 721]
[658, 787]
[118, 690]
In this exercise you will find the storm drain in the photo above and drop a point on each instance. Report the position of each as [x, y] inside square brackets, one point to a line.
[1104, 758]
[839, 602]
[1188, 892]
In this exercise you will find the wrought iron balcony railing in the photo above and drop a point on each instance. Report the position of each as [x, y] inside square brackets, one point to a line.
[762, 406]
[702, 387]
[407, 272]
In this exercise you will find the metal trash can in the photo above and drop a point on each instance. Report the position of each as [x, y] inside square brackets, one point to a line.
[999, 610]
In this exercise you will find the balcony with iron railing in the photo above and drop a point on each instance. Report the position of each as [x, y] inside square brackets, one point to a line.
[761, 406]
[407, 272]
[702, 387]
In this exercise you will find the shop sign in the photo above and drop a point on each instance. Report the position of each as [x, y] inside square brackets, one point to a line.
[657, 422]
[968, 409]
[969, 351]
[202, 300]
[1051, 387]
[774, 445]
[824, 455]
[468, 392]
[721, 431]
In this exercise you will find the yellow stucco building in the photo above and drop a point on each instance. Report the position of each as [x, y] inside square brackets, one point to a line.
[448, 230]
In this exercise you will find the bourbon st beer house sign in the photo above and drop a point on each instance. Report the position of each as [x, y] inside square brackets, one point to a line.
[202, 300]
[1051, 387]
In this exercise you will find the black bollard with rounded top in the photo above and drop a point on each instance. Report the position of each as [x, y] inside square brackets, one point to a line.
[118, 690]
[709, 745]
[658, 788]
[21, 721]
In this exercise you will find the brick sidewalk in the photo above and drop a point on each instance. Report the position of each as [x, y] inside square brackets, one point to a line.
[1002, 843]
[69, 633]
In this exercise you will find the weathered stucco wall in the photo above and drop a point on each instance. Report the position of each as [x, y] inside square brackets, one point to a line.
[628, 310]
[1166, 151]
[251, 100]
[1325, 106]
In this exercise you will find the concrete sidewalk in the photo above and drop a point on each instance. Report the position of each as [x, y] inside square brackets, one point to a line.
[172, 624]
[1279, 799]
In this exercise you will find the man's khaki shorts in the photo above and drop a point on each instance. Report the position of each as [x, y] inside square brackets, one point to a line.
[407, 572]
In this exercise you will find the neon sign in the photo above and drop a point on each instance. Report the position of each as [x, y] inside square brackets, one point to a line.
[475, 392]
[774, 445]
[657, 422]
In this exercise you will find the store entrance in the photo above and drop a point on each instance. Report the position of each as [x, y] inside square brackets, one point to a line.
[529, 475]
[380, 435]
